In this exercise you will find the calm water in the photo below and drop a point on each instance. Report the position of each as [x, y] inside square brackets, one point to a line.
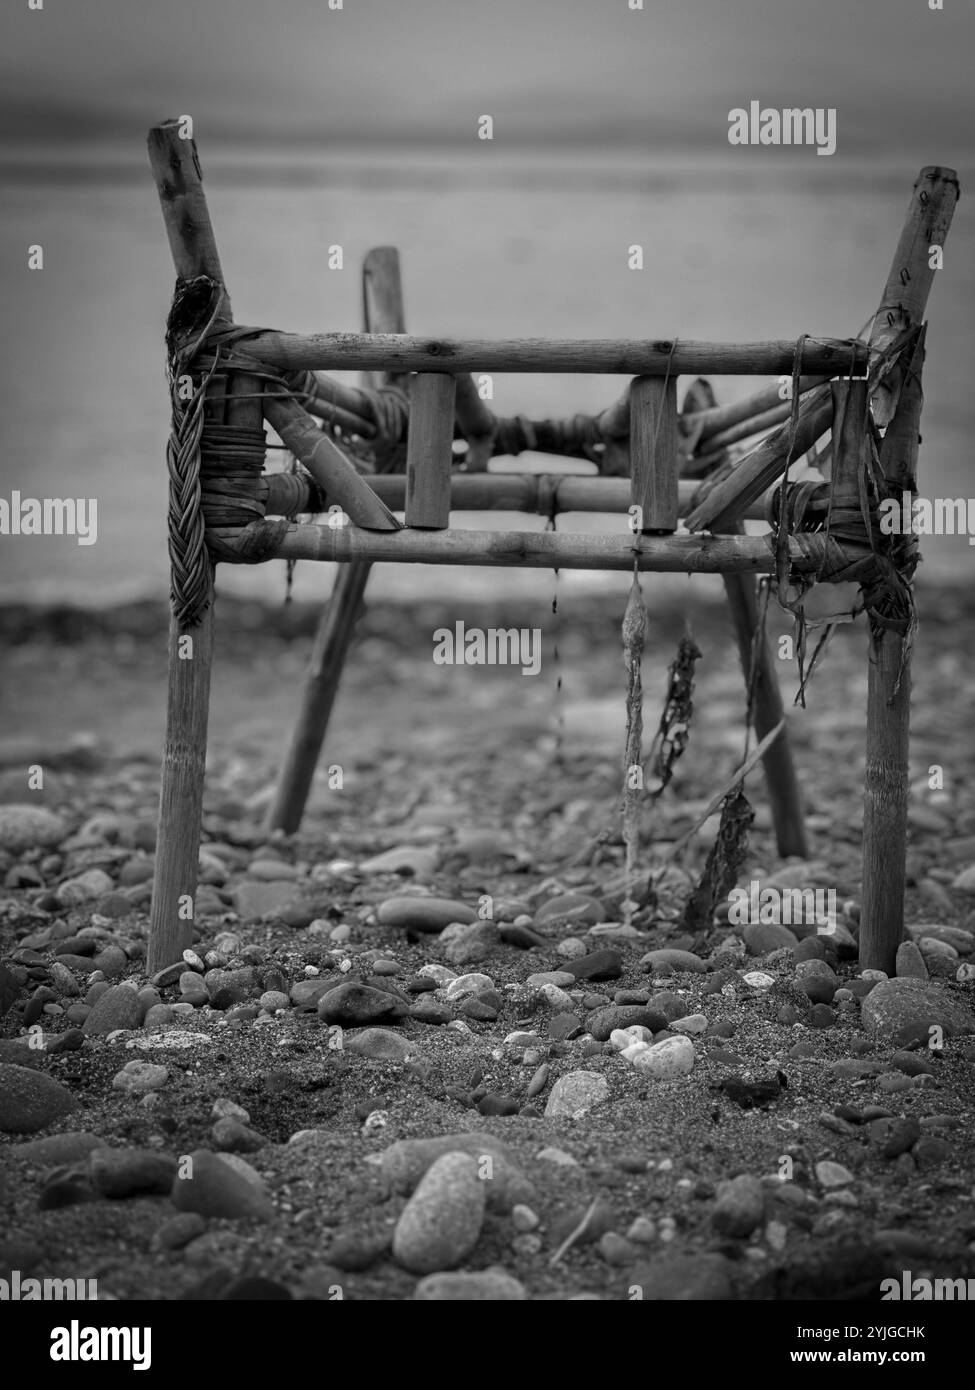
[508, 251]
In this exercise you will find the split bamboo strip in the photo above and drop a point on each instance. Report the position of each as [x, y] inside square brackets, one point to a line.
[653, 452]
[534, 493]
[898, 451]
[334, 394]
[849, 431]
[539, 549]
[718, 418]
[338, 416]
[724, 503]
[327, 464]
[429, 455]
[176, 169]
[625, 357]
[755, 424]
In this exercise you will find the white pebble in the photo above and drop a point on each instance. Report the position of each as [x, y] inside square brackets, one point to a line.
[667, 1059]
[758, 979]
[692, 1024]
[440, 973]
[624, 1037]
[831, 1174]
[560, 1156]
[572, 948]
[523, 1218]
[643, 1231]
[556, 998]
[225, 1108]
[776, 1235]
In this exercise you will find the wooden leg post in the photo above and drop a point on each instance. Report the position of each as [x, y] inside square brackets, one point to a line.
[782, 783]
[177, 172]
[382, 293]
[896, 403]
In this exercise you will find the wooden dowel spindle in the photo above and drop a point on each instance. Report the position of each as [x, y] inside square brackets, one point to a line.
[654, 461]
[429, 455]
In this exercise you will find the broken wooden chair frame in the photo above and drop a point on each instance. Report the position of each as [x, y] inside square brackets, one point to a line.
[227, 380]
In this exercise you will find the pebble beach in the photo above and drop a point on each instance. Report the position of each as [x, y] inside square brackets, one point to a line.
[427, 1048]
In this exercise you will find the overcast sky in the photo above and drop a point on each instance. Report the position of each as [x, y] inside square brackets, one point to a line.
[389, 71]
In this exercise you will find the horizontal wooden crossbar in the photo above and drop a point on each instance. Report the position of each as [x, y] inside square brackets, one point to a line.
[537, 549]
[399, 352]
[543, 494]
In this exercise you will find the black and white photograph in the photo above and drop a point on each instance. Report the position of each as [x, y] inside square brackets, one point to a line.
[487, 670]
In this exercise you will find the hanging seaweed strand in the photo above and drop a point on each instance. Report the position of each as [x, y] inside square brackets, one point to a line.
[674, 728]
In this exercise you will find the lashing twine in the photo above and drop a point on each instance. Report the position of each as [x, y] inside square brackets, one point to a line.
[852, 550]
[217, 493]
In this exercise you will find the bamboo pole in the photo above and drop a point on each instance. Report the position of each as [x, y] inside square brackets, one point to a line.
[538, 549]
[176, 170]
[716, 419]
[767, 710]
[755, 424]
[726, 500]
[327, 464]
[429, 456]
[625, 357]
[911, 275]
[653, 452]
[383, 312]
[476, 423]
[534, 493]
[382, 306]
[896, 400]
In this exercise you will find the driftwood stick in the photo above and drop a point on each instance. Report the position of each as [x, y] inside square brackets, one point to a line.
[401, 353]
[383, 312]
